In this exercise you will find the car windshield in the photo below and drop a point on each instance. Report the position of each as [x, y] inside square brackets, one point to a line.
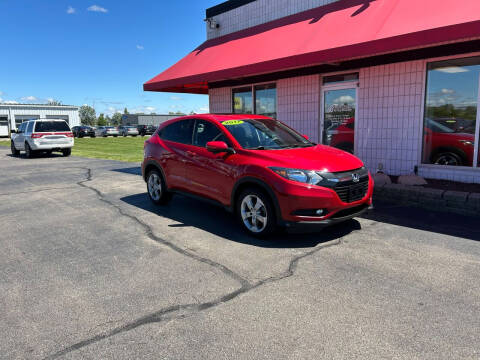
[263, 134]
[51, 126]
[437, 127]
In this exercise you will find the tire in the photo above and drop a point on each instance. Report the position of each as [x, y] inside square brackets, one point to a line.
[92, 136]
[156, 189]
[124, 135]
[67, 152]
[104, 135]
[448, 158]
[48, 152]
[247, 202]
[15, 152]
[28, 151]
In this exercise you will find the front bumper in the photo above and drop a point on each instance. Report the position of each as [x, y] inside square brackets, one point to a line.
[112, 133]
[294, 198]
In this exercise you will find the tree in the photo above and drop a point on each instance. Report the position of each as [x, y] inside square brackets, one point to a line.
[54, 102]
[125, 111]
[87, 115]
[101, 120]
[117, 119]
[176, 113]
[108, 120]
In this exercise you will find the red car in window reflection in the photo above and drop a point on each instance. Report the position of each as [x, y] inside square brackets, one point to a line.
[444, 146]
[343, 136]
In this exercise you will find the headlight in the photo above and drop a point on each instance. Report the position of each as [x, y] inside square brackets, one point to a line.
[304, 176]
[467, 142]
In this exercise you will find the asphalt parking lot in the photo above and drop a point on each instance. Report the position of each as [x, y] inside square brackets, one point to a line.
[89, 269]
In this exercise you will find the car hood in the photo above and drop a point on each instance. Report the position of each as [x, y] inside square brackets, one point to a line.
[319, 157]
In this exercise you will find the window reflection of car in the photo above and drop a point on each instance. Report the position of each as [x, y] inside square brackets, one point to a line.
[444, 146]
[343, 137]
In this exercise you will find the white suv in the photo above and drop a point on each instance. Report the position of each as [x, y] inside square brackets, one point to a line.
[44, 135]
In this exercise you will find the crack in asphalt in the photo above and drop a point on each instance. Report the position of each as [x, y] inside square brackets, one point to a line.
[185, 310]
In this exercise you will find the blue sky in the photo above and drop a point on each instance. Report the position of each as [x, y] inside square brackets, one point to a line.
[89, 52]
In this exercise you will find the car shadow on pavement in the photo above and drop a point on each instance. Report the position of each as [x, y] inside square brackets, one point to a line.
[189, 212]
[36, 156]
[426, 220]
[135, 170]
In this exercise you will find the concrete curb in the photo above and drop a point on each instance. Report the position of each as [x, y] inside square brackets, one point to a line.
[457, 202]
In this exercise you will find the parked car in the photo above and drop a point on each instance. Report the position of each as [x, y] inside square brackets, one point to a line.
[82, 131]
[343, 136]
[146, 129]
[258, 168]
[444, 146]
[107, 131]
[43, 135]
[128, 130]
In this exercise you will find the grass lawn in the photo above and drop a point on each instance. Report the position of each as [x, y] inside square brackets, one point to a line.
[120, 148]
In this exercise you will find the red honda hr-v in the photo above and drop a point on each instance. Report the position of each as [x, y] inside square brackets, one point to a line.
[258, 168]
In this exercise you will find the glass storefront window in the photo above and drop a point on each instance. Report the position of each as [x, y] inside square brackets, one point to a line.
[266, 100]
[451, 106]
[243, 101]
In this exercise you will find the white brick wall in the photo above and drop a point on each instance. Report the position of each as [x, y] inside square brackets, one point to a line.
[298, 104]
[259, 12]
[220, 100]
[388, 129]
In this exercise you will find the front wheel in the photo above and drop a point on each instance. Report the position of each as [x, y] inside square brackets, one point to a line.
[15, 152]
[157, 191]
[448, 158]
[255, 212]
[67, 152]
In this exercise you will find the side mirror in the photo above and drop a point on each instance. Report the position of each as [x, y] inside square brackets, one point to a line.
[218, 147]
[13, 131]
[306, 137]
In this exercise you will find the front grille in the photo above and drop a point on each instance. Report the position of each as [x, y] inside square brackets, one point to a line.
[348, 191]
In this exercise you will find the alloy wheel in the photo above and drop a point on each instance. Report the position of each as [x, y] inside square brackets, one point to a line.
[254, 213]
[155, 186]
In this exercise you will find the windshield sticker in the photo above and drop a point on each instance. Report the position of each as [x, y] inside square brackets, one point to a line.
[232, 122]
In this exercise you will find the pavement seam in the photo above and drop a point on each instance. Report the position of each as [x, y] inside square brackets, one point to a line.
[182, 311]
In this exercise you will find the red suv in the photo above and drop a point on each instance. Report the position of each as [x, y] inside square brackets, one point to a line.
[258, 168]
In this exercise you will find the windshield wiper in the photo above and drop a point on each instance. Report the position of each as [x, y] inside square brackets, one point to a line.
[257, 148]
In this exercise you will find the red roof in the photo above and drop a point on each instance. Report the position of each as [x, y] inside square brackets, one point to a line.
[342, 30]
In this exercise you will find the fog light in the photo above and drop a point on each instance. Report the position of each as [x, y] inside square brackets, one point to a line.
[319, 212]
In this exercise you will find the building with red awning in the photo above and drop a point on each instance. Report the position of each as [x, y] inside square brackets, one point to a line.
[394, 81]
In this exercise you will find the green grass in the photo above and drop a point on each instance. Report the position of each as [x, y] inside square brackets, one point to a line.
[123, 149]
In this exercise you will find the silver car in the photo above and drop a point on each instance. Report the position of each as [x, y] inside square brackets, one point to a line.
[128, 130]
[45, 135]
[107, 131]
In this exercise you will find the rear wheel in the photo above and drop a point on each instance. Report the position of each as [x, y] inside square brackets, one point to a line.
[15, 152]
[157, 191]
[255, 212]
[28, 151]
[67, 152]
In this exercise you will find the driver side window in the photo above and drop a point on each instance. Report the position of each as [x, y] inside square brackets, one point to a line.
[205, 131]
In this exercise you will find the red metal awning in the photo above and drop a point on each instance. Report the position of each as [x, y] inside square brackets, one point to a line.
[343, 30]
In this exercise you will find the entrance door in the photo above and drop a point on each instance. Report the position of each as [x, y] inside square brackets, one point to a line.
[339, 110]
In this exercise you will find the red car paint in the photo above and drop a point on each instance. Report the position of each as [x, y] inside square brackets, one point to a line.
[198, 171]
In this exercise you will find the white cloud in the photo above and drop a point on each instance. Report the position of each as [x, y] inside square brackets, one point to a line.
[452, 69]
[345, 99]
[10, 102]
[150, 108]
[143, 110]
[29, 98]
[140, 47]
[96, 8]
[203, 110]
[1, 93]
[71, 10]
[176, 98]
[447, 91]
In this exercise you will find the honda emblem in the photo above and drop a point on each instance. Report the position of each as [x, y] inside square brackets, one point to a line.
[355, 178]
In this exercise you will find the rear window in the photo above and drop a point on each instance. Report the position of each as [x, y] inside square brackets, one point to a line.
[51, 126]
